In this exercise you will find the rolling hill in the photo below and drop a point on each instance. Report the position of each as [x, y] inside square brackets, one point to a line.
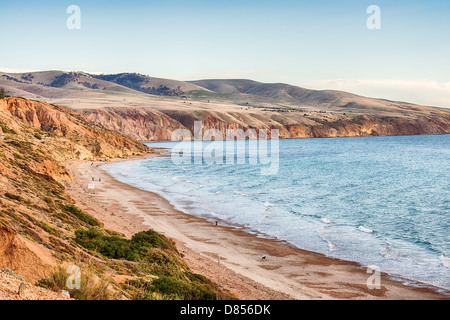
[150, 85]
[149, 108]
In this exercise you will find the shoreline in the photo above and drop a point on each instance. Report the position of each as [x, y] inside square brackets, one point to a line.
[339, 137]
[250, 266]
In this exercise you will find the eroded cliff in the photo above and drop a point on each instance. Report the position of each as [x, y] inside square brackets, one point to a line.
[42, 231]
[146, 124]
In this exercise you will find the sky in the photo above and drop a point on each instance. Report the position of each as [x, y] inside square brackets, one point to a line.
[322, 44]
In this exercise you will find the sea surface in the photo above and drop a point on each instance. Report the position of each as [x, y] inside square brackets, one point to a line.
[378, 201]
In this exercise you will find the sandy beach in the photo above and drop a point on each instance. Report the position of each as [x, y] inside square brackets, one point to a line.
[250, 266]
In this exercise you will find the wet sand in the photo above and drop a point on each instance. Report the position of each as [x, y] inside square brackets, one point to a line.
[250, 266]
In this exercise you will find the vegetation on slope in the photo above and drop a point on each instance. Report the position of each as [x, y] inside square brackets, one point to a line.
[146, 84]
[36, 213]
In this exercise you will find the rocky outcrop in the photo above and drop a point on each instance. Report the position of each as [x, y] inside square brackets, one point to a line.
[25, 257]
[12, 288]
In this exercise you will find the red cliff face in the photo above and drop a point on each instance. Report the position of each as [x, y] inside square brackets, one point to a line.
[77, 137]
[143, 124]
[370, 126]
[149, 125]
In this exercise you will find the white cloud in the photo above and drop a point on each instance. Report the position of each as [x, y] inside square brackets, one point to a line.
[23, 70]
[424, 92]
[13, 70]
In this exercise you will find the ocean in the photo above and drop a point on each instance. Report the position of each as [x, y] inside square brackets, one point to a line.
[378, 201]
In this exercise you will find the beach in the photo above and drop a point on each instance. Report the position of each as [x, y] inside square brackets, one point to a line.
[251, 266]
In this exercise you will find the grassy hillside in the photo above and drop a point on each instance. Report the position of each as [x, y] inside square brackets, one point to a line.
[58, 84]
[150, 85]
[42, 231]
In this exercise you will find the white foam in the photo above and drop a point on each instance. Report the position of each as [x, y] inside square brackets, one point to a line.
[445, 261]
[268, 204]
[387, 252]
[240, 193]
[325, 220]
[364, 229]
[331, 245]
[176, 178]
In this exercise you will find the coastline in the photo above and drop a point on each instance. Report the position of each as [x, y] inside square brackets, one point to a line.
[227, 255]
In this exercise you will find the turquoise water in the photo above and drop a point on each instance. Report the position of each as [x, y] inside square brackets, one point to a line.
[382, 201]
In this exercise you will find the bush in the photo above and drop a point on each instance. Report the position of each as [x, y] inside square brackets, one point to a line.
[162, 263]
[117, 247]
[81, 215]
[167, 275]
[18, 156]
[38, 136]
[5, 129]
[49, 229]
[181, 289]
[93, 286]
[56, 281]
[151, 239]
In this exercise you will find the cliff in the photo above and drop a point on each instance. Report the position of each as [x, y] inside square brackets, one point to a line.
[150, 109]
[57, 125]
[140, 123]
[36, 215]
[42, 231]
[147, 124]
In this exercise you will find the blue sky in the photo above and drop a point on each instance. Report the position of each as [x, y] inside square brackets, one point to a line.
[321, 44]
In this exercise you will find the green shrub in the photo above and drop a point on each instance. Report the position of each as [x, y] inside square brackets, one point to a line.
[110, 246]
[93, 286]
[49, 229]
[163, 263]
[81, 215]
[152, 239]
[5, 129]
[117, 247]
[18, 156]
[182, 289]
[38, 136]
[168, 276]
[56, 281]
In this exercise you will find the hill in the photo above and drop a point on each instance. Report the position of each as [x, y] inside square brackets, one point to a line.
[150, 85]
[56, 84]
[42, 231]
[150, 109]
